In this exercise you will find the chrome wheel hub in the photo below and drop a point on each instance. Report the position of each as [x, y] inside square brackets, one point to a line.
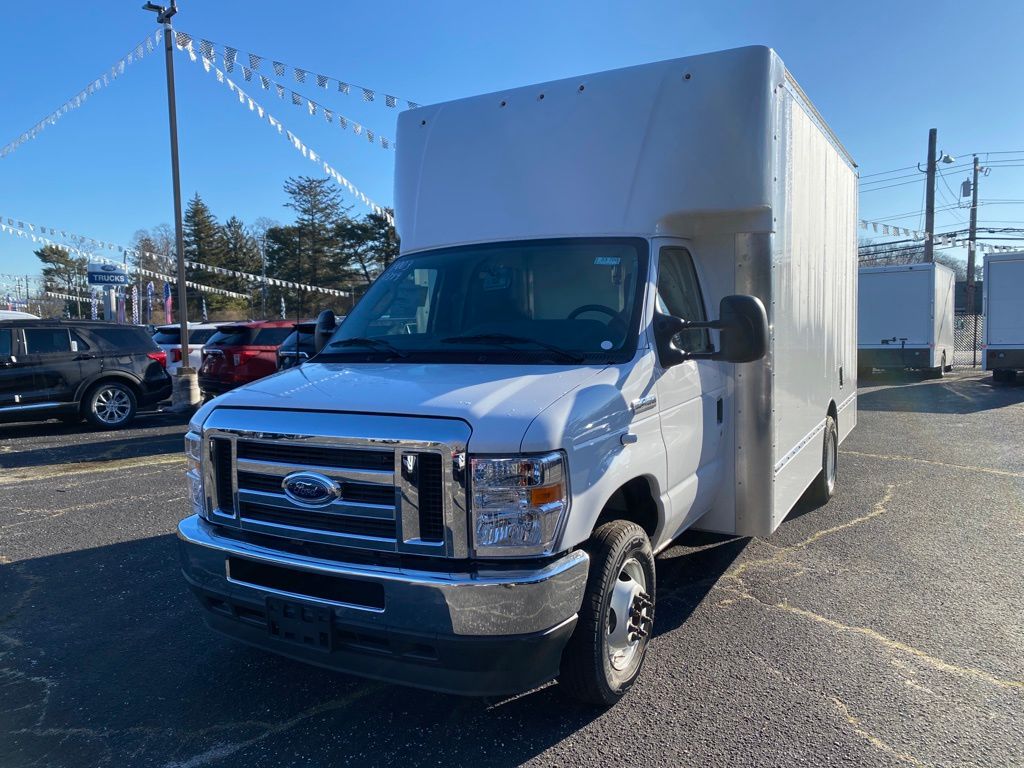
[112, 405]
[630, 616]
[830, 462]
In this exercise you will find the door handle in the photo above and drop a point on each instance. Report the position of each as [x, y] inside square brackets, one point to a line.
[85, 356]
[719, 410]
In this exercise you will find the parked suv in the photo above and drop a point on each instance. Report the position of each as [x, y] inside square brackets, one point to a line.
[168, 338]
[241, 352]
[79, 369]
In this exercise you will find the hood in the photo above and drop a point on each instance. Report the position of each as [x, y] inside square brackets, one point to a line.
[498, 401]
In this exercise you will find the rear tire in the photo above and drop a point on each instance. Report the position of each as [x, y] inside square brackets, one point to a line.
[110, 405]
[604, 656]
[824, 485]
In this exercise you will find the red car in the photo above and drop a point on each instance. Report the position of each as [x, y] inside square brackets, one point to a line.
[241, 352]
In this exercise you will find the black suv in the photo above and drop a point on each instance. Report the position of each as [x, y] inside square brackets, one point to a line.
[72, 370]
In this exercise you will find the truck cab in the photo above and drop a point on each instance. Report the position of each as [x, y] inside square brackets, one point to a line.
[575, 359]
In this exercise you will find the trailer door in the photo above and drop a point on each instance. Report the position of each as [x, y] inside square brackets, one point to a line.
[1005, 321]
[895, 307]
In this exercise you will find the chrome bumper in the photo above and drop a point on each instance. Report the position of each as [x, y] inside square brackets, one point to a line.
[483, 602]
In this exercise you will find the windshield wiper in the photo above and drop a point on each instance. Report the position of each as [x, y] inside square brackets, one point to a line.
[364, 341]
[505, 340]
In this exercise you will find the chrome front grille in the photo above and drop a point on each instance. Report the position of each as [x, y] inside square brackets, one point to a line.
[397, 493]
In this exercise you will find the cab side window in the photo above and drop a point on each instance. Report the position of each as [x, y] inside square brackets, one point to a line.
[6, 347]
[47, 341]
[679, 294]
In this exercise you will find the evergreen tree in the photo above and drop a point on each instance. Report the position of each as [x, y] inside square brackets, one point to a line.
[65, 273]
[205, 243]
[319, 258]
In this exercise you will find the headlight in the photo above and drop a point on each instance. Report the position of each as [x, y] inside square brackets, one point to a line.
[518, 504]
[194, 472]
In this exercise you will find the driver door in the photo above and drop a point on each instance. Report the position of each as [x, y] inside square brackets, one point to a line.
[689, 396]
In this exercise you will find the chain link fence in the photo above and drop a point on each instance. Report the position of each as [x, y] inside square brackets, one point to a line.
[968, 331]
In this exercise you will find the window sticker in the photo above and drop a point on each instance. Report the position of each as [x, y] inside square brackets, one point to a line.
[607, 261]
[606, 345]
[397, 271]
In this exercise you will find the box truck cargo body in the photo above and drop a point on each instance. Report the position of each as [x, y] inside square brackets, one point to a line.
[905, 317]
[1003, 344]
[625, 306]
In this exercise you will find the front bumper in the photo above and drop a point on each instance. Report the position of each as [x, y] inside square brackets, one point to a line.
[485, 632]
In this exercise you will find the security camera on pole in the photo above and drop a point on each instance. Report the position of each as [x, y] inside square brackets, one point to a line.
[186, 387]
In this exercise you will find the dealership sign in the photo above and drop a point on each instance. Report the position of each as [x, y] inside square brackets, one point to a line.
[107, 274]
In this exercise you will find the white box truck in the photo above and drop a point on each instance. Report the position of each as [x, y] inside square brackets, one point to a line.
[905, 318]
[569, 365]
[1002, 349]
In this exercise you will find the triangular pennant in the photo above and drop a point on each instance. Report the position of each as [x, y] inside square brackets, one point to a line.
[255, 61]
[390, 101]
[300, 75]
[321, 81]
[368, 95]
[278, 69]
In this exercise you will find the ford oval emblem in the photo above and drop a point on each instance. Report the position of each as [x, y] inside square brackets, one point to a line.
[311, 489]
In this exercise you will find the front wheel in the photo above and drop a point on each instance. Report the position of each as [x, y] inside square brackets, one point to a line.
[606, 651]
[110, 405]
[824, 484]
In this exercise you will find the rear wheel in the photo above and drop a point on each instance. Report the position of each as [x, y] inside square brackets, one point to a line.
[606, 651]
[824, 484]
[110, 405]
[938, 373]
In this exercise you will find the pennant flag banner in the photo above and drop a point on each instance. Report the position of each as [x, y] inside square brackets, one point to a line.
[888, 229]
[138, 52]
[230, 56]
[21, 229]
[891, 230]
[136, 314]
[295, 141]
[95, 307]
[299, 100]
[22, 232]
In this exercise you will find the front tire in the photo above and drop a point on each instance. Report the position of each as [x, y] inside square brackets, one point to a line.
[110, 405]
[824, 484]
[607, 649]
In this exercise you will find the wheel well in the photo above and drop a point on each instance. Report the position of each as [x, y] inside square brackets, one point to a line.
[635, 502]
[127, 381]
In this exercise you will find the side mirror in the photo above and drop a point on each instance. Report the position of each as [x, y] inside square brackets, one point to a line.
[326, 324]
[743, 325]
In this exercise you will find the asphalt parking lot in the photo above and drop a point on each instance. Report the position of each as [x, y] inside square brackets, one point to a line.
[885, 628]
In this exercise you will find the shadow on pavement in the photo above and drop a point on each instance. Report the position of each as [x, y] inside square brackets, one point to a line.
[688, 570]
[83, 443]
[950, 395]
[104, 659]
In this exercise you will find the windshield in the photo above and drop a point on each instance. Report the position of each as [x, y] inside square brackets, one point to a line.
[533, 301]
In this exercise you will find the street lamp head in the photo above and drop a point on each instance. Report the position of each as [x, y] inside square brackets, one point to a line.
[947, 159]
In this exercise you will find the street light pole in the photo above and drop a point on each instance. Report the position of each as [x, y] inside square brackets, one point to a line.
[186, 393]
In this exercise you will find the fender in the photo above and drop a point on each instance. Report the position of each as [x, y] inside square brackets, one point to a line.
[125, 376]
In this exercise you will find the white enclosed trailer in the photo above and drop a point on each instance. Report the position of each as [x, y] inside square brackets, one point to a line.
[905, 317]
[569, 365]
[1003, 345]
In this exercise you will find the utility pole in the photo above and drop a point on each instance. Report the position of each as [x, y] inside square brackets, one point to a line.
[972, 238]
[186, 391]
[929, 204]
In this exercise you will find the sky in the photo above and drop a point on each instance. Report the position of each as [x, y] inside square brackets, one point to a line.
[881, 73]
